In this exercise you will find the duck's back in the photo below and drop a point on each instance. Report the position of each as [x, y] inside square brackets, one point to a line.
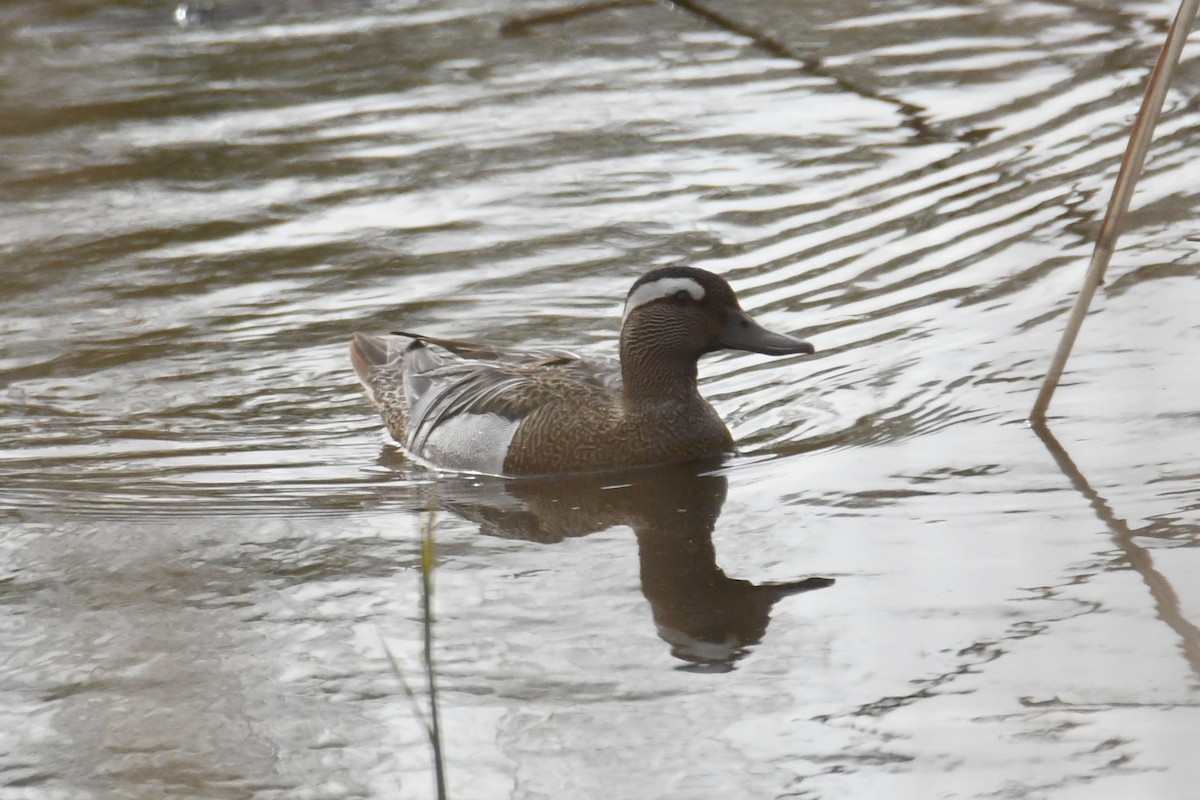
[469, 407]
[503, 412]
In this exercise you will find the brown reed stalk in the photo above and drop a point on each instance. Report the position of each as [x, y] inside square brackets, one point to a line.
[1131, 167]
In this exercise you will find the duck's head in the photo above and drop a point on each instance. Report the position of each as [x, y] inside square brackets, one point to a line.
[689, 312]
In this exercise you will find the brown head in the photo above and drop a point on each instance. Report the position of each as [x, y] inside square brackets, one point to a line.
[675, 315]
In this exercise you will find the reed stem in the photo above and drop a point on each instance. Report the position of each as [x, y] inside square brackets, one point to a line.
[1131, 168]
[435, 730]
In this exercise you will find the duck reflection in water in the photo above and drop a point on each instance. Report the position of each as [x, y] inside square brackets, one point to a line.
[708, 619]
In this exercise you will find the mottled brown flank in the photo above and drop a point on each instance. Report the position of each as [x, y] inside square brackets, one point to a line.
[591, 431]
[387, 383]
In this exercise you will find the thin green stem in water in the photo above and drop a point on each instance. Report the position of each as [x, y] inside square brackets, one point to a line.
[428, 564]
[432, 723]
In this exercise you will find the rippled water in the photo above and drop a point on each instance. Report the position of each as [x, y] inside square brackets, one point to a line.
[206, 536]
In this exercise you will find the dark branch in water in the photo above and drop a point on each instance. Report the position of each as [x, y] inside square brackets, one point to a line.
[761, 40]
[1166, 601]
[1131, 167]
[523, 26]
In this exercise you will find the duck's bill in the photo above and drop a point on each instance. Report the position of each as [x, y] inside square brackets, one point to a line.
[743, 333]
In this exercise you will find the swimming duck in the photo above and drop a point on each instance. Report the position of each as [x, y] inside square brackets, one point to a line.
[479, 408]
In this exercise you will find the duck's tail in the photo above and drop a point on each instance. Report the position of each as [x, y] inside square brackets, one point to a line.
[369, 352]
[379, 363]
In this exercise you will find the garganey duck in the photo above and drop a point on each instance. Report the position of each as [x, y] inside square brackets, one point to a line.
[478, 408]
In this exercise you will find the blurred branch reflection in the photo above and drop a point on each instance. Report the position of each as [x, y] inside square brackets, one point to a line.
[1166, 601]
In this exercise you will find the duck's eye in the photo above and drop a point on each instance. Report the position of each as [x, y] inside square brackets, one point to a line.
[682, 297]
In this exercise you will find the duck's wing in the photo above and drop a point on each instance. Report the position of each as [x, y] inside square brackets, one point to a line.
[606, 372]
[480, 352]
[466, 401]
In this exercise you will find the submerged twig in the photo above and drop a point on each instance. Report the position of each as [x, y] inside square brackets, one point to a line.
[725, 22]
[408, 692]
[1131, 167]
[432, 723]
[1166, 601]
[435, 729]
[810, 64]
[521, 26]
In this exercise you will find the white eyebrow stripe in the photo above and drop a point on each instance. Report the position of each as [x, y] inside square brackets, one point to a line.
[657, 290]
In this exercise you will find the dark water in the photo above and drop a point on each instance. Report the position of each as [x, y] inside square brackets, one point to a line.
[206, 537]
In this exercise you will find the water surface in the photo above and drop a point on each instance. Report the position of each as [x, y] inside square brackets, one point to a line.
[207, 537]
